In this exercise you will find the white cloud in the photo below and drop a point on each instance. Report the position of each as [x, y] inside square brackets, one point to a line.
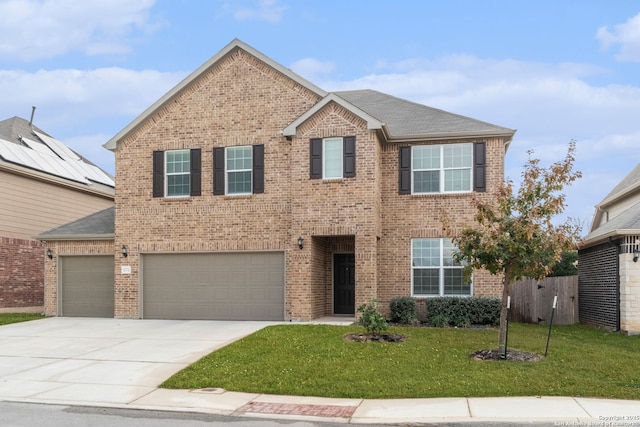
[35, 29]
[626, 35]
[265, 10]
[313, 68]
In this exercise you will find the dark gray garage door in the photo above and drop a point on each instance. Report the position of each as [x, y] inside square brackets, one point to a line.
[86, 286]
[214, 286]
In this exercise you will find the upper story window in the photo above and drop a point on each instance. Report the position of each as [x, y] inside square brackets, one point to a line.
[238, 170]
[333, 158]
[434, 271]
[176, 173]
[447, 168]
[178, 169]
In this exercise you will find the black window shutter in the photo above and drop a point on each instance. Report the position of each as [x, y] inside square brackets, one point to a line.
[196, 156]
[480, 166]
[316, 158]
[349, 156]
[218, 171]
[158, 174]
[258, 169]
[404, 170]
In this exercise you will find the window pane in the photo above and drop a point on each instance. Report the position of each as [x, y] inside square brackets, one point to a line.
[426, 182]
[426, 252]
[457, 155]
[178, 185]
[454, 282]
[457, 180]
[178, 161]
[332, 158]
[427, 157]
[426, 281]
[239, 182]
[239, 158]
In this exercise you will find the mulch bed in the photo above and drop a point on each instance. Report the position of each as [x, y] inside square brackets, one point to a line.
[513, 355]
[375, 337]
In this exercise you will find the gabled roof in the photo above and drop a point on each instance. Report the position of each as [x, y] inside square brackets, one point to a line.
[28, 150]
[234, 44]
[627, 223]
[97, 226]
[629, 184]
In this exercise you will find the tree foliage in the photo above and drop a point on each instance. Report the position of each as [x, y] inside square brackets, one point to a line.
[514, 234]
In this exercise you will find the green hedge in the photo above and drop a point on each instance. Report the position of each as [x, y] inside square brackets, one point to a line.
[456, 311]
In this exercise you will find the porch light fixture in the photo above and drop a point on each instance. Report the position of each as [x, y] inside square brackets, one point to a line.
[49, 253]
[124, 251]
[300, 240]
[636, 254]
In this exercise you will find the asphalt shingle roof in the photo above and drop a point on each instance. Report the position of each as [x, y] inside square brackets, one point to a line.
[98, 225]
[405, 118]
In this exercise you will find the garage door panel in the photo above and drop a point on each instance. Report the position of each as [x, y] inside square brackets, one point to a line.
[216, 286]
[86, 286]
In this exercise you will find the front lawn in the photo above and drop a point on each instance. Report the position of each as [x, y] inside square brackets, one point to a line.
[6, 318]
[315, 360]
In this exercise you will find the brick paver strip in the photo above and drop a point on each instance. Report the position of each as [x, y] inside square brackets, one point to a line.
[296, 409]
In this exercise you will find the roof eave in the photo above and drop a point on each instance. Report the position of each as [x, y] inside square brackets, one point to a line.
[453, 135]
[112, 144]
[67, 237]
[615, 197]
[620, 232]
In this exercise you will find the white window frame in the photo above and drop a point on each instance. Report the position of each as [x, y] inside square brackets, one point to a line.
[442, 170]
[228, 171]
[338, 141]
[182, 173]
[441, 267]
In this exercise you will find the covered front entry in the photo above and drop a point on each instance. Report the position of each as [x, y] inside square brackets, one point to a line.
[86, 286]
[213, 286]
[344, 283]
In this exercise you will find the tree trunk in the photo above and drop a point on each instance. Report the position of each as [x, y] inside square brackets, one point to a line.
[502, 338]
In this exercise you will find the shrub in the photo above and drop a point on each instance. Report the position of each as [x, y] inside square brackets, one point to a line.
[404, 310]
[463, 312]
[439, 321]
[371, 318]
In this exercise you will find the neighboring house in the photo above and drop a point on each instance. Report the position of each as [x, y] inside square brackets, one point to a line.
[608, 260]
[43, 184]
[247, 192]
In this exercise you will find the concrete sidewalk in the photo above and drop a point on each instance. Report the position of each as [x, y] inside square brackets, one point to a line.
[120, 362]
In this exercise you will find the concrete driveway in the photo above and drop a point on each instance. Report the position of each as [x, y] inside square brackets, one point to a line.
[104, 360]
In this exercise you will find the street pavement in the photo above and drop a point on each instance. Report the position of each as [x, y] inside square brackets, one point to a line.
[119, 363]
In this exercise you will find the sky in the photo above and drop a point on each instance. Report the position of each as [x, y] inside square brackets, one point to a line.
[555, 70]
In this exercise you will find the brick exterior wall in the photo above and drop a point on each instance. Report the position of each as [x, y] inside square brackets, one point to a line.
[242, 101]
[65, 248]
[598, 286]
[21, 274]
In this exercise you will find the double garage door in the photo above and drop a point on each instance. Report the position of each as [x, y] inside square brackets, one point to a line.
[207, 286]
[216, 286]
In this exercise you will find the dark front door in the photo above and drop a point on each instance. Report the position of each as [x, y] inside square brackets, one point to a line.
[344, 284]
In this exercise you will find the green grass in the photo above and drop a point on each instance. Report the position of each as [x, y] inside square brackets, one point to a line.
[315, 360]
[6, 318]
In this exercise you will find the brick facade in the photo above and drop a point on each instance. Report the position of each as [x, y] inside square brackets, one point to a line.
[243, 101]
[21, 274]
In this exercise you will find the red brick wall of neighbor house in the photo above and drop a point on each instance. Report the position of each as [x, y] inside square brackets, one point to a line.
[62, 248]
[21, 273]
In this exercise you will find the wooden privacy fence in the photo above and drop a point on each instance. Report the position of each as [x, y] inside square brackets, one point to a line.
[532, 300]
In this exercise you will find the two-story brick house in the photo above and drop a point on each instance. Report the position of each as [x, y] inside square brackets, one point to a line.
[247, 192]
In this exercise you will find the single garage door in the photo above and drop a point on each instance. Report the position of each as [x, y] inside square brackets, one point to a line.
[86, 286]
[214, 286]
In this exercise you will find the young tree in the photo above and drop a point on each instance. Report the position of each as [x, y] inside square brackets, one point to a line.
[514, 234]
